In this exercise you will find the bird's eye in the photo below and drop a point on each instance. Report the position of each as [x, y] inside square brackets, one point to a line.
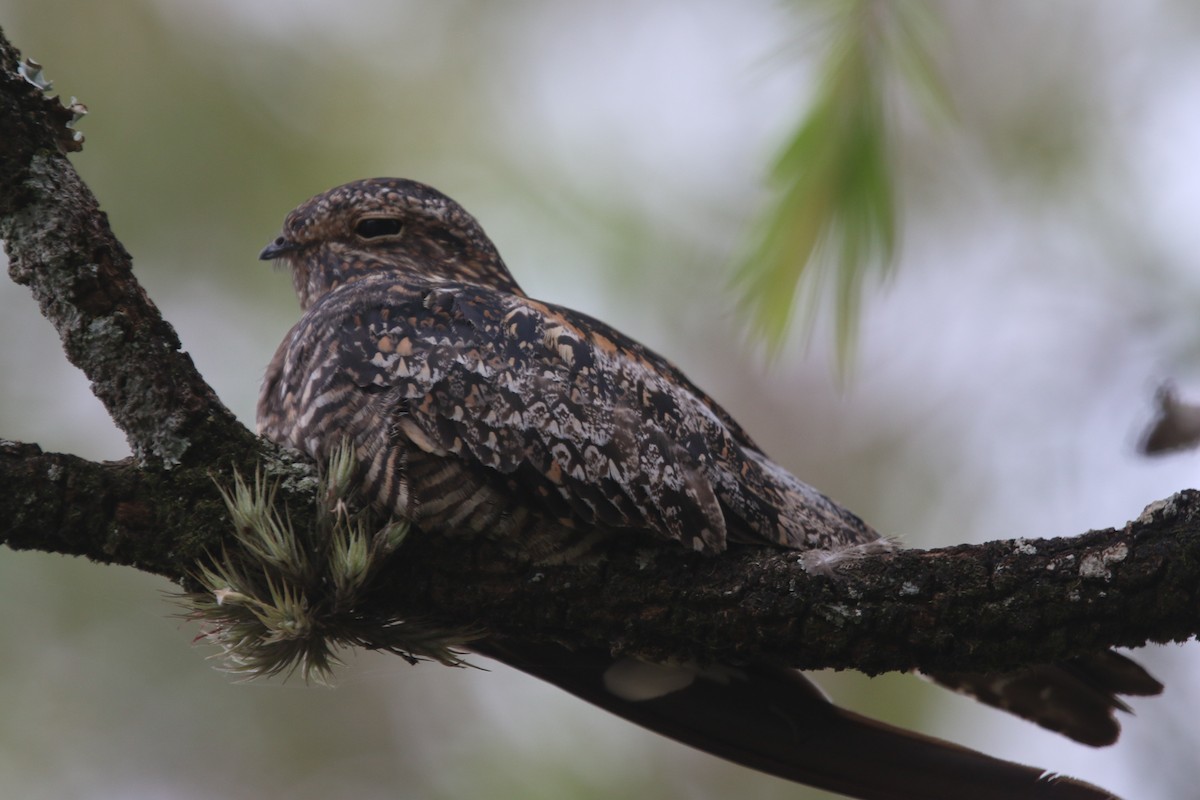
[374, 227]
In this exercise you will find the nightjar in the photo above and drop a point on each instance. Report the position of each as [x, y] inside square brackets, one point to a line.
[476, 410]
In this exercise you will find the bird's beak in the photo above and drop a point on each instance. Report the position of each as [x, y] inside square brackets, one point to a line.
[277, 248]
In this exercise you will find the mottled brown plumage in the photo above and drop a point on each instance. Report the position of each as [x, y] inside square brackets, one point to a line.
[476, 410]
[479, 410]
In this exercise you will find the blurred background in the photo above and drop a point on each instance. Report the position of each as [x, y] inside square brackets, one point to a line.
[1046, 282]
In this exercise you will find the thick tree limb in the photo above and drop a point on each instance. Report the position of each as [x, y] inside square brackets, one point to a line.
[983, 608]
[60, 245]
[120, 512]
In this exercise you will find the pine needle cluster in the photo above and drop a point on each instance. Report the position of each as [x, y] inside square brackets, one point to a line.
[282, 597]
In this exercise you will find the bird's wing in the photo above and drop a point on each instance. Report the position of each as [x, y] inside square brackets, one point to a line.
[774, 720]
[573, 412]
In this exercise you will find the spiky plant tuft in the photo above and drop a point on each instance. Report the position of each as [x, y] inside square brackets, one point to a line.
[281, 598]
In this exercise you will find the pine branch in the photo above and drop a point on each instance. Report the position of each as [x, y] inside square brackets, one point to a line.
[60, 245]
[981, 607]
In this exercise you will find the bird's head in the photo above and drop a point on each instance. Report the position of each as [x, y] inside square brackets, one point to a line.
[384, 225]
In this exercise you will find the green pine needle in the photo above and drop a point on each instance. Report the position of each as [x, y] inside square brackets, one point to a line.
[278, 599]
[835, 218]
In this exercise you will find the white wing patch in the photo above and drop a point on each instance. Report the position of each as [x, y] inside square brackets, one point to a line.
[637, 681]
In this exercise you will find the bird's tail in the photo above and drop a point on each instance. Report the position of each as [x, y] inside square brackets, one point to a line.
[1077, 698]
[775, 720]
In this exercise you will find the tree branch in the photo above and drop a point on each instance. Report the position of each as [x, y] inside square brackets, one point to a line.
[988, 607]
[983, 608]
[120, 512]
[59, 244]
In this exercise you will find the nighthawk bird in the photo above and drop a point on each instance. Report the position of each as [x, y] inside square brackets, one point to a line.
[475, 408]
